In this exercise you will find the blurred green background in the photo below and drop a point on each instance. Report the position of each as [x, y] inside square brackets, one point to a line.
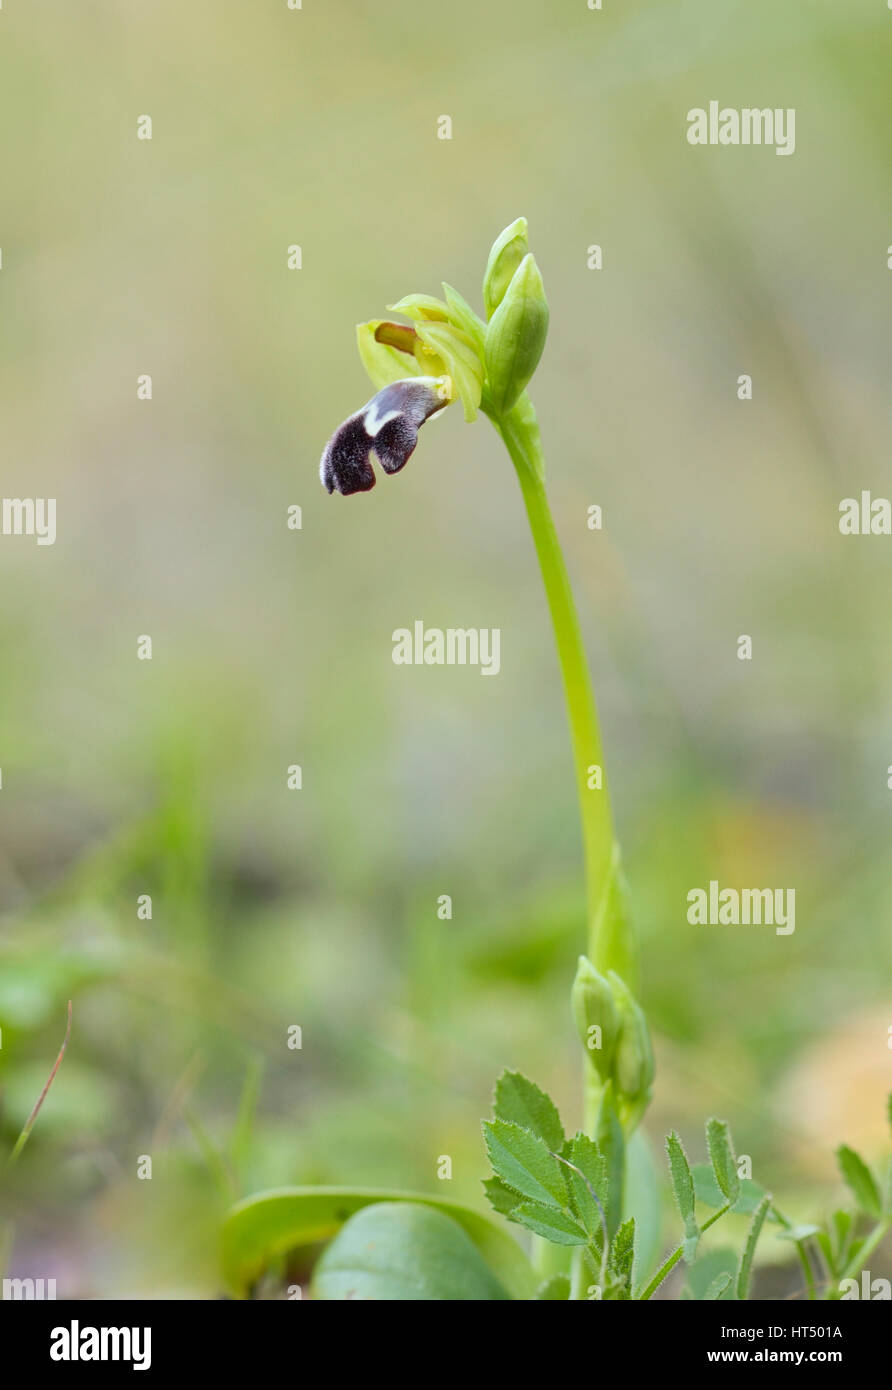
[270, 908]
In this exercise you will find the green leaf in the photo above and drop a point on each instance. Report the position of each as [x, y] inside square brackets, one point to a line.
[826, 1248]
[859, 1180]
[501, 1197]
[622, 1253]
[706, 1271]
[709, 1192]
[269, 1224]
[399, 1251]
[554, 1225]
[722, 1158]
[523, 1161]
[557, 1287]
[521, 1102]
[843, 1226]
[718, 1287]
[745, 1267]
[587, 1183]
[611, 1142]
[641, 1199]
[683, 1190]
[797, 1233]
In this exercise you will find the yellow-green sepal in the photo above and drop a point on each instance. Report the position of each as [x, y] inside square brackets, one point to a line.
[384, 362]
[462, 316]
[421, 308]
[461, 361]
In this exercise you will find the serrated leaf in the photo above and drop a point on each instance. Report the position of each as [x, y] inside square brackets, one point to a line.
[611, 1142]
[683, 1191]
[722, 1158]
[719, 1285]
[745, 1267]
[709, 1192]
[622, 1251]
[521, 1102]
[554, 1225]
[501, 1197]
[586, 1183]
[522, 1160]
[553, 1289]
[859, 1180]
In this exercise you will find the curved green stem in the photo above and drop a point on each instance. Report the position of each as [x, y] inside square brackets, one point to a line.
[668, 1265]
[610, 945]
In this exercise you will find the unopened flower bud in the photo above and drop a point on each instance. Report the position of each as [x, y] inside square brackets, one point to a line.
[597, 1020]
[515, 337]
[633, 1065]
[508, 250]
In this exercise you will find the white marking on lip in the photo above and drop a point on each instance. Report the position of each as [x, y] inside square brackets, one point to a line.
[374, 422]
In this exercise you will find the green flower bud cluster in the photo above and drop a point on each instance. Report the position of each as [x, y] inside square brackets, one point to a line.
[514, 297]
[614, 1032]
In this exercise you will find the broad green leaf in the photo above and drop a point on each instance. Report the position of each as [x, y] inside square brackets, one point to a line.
[859, 1180]
[402, 1251]
[719, 1286]
[524, 1162]
[722, 1158]
[683, 1191]
[502, 1198]
[745, 1267]
[553, 1289]
[522, 1102]
[267, 1225]
[554, 1225]
[611, 1142]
